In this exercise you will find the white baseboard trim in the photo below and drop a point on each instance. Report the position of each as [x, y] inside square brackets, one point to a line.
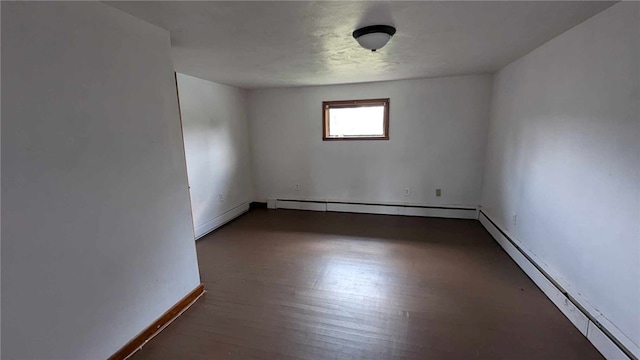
[383, 209]
[594, 328]
[210, 225]
[301, 205]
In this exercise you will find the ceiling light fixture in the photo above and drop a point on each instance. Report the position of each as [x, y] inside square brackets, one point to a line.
[374, 37]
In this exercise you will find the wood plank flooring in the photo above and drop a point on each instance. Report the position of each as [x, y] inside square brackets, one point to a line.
[309, 285]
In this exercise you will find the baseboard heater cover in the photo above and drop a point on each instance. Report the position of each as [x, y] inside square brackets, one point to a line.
[160, 324]
[210, 225]
[376, 208]
[601, 338]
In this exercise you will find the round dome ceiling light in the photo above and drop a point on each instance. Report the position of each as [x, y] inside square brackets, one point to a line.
[374, 37]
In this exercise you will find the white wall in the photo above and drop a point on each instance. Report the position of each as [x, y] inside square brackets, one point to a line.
[437, 140]
[564, 155]
[97, 240]
[216, 141]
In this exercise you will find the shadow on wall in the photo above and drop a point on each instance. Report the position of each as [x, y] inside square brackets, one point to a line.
[216, 147]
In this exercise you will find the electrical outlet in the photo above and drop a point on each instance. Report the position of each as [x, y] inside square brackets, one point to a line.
[438, 192]
[297, 187]
[514, 219]
[407, 192]
[221, 197]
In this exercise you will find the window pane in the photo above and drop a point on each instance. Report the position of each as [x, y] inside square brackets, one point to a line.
[356, 121]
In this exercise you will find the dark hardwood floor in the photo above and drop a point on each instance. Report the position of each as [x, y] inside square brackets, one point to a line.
[309, 285]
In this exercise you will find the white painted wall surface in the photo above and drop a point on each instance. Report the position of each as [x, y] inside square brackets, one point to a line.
[216, 142]
[97, 240]
[437, 140]
[564, 155]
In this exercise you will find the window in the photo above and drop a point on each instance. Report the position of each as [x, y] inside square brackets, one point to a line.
[356, 120]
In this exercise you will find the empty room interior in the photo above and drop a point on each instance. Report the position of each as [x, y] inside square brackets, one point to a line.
[320, 180]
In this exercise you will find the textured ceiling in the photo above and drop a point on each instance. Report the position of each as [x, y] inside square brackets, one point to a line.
[271, 44]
